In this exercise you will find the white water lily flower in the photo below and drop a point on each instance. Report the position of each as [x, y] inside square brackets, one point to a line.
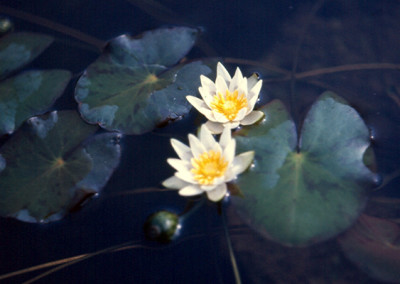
[206, 166]
[228, 102]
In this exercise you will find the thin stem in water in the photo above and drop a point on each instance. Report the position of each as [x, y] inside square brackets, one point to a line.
[99, 44]
[231, 253]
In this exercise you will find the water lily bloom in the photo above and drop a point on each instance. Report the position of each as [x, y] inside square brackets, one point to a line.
[229, 102]
[206, 166]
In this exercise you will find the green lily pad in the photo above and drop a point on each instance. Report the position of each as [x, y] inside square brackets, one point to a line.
[131, 87]
[18, 49]
[298, 195]
[45, 160]
[27, 94]
[373, 244]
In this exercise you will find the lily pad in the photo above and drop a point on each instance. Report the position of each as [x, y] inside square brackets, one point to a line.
[374, 245]
[131, 87]
[18, 49]
[298, 193]
[27, 94]
[48, 160]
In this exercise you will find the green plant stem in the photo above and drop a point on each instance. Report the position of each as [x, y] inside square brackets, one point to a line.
[231, 253]
[98, 44]
[190, 209]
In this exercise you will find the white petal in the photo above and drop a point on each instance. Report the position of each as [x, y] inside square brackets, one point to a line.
[252, 81]
[190, 190]
[174, 183]
[221, 71]
[208, 187]
[225, 138]
[236, 80]
[242, 162]
[257, 88]
[232, 125]
[252, 117]
[219, 117]
[207, 83]
[221, 85]
[183, 151]
[251, 102]
[179, 165]
[229, 151]
[229, 175]
[241, 114]
[214, 127]
[218, 193]
[206, 138]
[242, 88]
[186, 176]
[201, 106]
[196, 146]
[207, 96]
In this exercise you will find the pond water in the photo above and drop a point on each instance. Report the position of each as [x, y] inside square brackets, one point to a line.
[361, 37]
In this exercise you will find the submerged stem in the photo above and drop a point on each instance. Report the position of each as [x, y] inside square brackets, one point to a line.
[99, 44]
[231, 253]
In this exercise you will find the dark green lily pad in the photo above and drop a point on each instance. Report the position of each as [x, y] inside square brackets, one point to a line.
[27, 94]
[301, 197]
[18, 49]
[47, 161]
[373, 244]
[131, 87]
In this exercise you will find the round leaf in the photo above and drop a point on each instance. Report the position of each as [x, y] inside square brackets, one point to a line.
[300, 197]
[18, 49]
[130, 88]
[373, 244]
[27, 94]
[43, 161]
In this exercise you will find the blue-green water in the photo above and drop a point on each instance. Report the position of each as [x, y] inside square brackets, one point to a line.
[300, 35]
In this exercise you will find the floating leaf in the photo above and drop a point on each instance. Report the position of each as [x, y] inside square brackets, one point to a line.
[298, 197]
[46, 162]
[374, 245]
[105, 153]
[130, 88]
[27, 94]
[18, 49]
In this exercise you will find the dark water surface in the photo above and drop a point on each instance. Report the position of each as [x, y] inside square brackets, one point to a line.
[300, 35]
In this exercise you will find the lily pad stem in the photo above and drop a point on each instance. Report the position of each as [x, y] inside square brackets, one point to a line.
[231, 253]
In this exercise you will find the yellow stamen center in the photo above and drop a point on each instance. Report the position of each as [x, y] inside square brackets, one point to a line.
[230, 104]
[208, 166]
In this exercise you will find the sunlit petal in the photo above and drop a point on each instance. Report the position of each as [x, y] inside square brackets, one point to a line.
[229, 151]
[183, 151]
[174, 183]
[252, 81]
[214, 127]
[190, 190]
[217, 193]
[201, 106]
[179, 165]
[241, 114]
[206, 138]
[207, 83]
[242, 162]
[225, 138]
[196, 146]
[221, 71]
[252, 117]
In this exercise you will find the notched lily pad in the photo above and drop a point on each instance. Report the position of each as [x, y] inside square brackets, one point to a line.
[18, 49]
[48, 161]
[301, 194]
[373, 244]
[27, 94]
[132, 88]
